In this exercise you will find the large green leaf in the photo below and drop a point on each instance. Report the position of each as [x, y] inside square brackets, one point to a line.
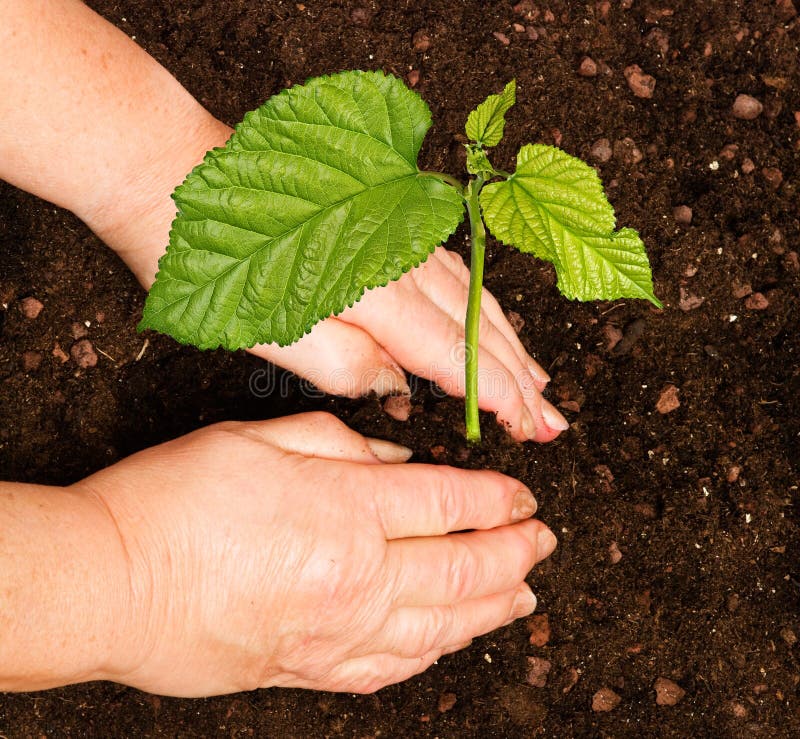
[485, 124]
[554, 207]
[316, 197]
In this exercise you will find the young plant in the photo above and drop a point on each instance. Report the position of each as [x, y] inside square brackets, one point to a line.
[317, 197]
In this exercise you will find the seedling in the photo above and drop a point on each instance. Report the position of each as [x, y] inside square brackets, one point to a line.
[317, 197]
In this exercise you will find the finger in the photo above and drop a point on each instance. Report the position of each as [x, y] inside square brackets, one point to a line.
[494, 312]
[322, 435]
[449, 569]
[416, 631]
[339, 358]
[437, 358]
[430, 500]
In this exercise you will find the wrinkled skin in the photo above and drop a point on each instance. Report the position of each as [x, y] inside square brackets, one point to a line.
[286, 553]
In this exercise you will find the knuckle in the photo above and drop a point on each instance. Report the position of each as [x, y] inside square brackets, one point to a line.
[451, 502]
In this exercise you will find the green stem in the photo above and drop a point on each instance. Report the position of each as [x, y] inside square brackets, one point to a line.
[478, 250]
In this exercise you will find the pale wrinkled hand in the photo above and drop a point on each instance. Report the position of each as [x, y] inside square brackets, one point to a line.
[417, 324]
[286, 553]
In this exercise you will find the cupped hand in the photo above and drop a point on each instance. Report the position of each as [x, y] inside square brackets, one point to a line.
[289, 553]
[417, 324]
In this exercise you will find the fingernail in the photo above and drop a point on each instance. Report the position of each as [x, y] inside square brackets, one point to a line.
[524, 602]
[524, 505]
[390, 381]
[553, 418]
[538, 373]
[527, 423]
[545, 543]
[388, 451]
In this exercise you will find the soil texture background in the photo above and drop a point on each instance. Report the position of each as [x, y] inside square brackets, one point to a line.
[674, 493]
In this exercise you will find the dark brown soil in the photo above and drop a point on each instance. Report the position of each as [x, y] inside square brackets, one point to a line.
[700, 502]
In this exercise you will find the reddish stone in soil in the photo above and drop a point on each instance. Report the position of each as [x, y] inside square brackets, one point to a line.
[682, 215]
[747, 165]
[668, 400]
[604, 700]
[501, 37]
[792, 262]
[688, 301]
[614, 554]
[729, 152]
[738, 710]
[757, 301]
[627, 151]
[31, 360]
[538, 670]
[668, 693]
[588, 67]
[773, 176]
[421, 41]
[601, 151]
[658, 39]
[570, 405]
[642, 85]
[733, 473]
[31, 307]
[746, 107]
[83, 354]
[539, 627]
[413, 78]
[439, 452]
[446, 702]
[398, 407]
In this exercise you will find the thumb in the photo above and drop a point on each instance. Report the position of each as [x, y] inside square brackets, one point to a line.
[322, 435]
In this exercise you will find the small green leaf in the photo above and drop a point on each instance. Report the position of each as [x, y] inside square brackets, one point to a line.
[554, 207]
[485, 124]
[478, 162]
[316, 197]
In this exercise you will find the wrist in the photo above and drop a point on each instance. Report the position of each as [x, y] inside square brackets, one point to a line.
[64, 588]
[134, 215]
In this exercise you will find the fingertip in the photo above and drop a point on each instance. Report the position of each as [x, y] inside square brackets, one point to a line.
[546, 543]
[523, 505]
[389, 452]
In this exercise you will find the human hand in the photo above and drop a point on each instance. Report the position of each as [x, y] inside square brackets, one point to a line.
[285, 553]
[417, 324]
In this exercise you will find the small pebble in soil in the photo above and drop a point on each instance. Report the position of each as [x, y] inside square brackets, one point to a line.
[31, 361]
[642, 85]
[788, 636]
[439, 452]
[691, 270]
[501, 37]
[626, 151]
[733, 473]
[746, 107]
[31, 307]
[747, 165]
[728, 152]
[539, 627]
[668, 693]
[538, 670]
[732, 602]
[682, 215]
[518, 27]
[398, 407]
[601, 151]
[446, 702]
[83, 354]
[604, 700]
[614, 554]
[689, 301]
[658, 39]
[756, 301]
[792, 262]
[668, 400]
[570, 680]
[588, 67]
[773, 176]
[421, 40]
[738, 710]
[413, 77]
